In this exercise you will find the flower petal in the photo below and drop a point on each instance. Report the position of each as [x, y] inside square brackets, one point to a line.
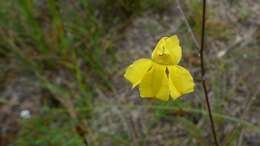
[136, 71]
[167, 51]
[181, 79]
[155, 83]
[173, 91]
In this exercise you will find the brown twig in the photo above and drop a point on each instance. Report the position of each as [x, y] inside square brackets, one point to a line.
[203, 71]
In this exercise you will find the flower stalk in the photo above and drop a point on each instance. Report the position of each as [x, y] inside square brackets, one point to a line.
[203, 72]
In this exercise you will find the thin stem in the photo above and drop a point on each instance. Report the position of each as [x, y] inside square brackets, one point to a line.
[187, 24]
[203, 71]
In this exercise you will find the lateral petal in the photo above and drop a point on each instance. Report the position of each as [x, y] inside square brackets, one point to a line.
[181, 79]
[136, 71]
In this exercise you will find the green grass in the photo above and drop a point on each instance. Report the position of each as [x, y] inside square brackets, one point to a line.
[43, 130]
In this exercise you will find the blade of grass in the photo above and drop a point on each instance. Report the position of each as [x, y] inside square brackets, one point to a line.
[53, 7]
[35, 31]
[106, 106]
[193, 130]
[230, 140]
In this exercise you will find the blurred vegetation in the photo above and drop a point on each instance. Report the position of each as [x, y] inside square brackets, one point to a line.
[67, 47]
[48, 130]
[67, 40]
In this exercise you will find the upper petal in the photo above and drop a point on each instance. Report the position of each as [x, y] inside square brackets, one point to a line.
[136, 71]
[181, 79]
[167, 51]
[155, 83]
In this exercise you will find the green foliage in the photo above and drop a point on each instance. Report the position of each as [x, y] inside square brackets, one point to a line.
[194, 130]
[113, 12]
[231, 139]
[42, 131]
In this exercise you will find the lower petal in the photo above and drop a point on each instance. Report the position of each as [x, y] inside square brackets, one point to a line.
[155, 83]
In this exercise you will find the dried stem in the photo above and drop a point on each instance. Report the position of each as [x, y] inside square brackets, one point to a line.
[203, 71]
[187, 24]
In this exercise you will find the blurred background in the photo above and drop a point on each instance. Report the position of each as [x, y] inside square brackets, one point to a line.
[62, 61]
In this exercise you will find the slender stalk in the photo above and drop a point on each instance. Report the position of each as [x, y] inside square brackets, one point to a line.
[203, 71]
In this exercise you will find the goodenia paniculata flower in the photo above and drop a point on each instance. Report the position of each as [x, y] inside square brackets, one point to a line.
[161, 77]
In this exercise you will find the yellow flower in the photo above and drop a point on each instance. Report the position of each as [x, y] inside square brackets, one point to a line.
[161, 77]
